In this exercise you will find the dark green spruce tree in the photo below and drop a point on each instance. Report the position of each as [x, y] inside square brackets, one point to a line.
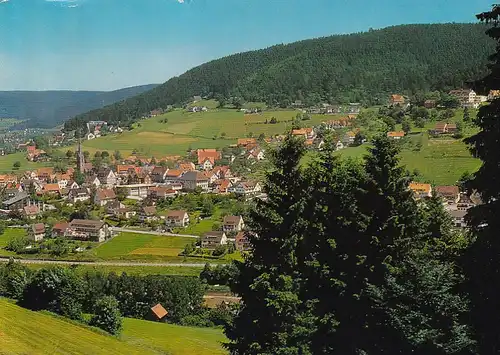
[481, 262]
[422, 310]
[336, 268]
[272, 319]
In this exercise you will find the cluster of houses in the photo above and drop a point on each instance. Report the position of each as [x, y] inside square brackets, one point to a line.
[466, 98]
[327, 109]
[99, 231]
[455, 202]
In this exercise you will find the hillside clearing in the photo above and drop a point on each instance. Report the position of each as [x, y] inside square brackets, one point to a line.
[26, 332]
[173, 339]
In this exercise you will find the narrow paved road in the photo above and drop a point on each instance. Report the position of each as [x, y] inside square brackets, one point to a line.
[103, 263]
[165, 234]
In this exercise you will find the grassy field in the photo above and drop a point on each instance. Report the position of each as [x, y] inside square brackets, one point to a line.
[7, 161]
[175, 132]
[26, 332]
[131, 246]
[133, 270]
[172, 339]
[6, 236]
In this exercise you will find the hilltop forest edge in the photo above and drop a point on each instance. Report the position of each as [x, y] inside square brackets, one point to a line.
[407, 59]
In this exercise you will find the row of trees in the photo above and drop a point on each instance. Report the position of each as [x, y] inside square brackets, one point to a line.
[345, 261]
[107, 296]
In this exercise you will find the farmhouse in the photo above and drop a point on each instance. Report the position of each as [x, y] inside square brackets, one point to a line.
[36, 232]
[450, 194]
[207, 158]
[241, 242]
[78, 194]
[107, 177]
[396, 99]
[84, 229]
[211, 240]
[148, 214]
[421, 190]
[233, 224]
[396, 135]
[177, 219]
[245, 188]
[103, 196]
[31, 211]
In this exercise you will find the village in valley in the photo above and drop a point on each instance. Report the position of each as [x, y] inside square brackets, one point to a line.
[205, 193]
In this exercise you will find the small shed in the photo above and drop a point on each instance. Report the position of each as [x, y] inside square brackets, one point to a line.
[158, 313]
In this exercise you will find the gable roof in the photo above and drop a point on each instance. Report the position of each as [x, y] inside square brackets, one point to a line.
[418, 187]
[106, 194]
[210, 154]
[149, 210]
[232, 220]
[31, 210]
[246, 141]
[159, 311]
[61, 226]
[51, 188]
[38, 228]
[447, 190]
[395, 134]
[180, 214]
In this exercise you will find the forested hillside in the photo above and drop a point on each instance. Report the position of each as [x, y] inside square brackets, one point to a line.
[361, 67]
[49, 108]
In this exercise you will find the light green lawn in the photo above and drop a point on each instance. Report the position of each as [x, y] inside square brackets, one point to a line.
[6, 236]
[27, 332]
[7, 162]
[173, 339]
[132, 246]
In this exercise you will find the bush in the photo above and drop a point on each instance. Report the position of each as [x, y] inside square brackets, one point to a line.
[55, 289]
[17, 243]
[13, 279]
[219, 250]
[196, 321]
[107, 315]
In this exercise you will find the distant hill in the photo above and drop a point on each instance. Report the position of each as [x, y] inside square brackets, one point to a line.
[362, 67]
[47, 109]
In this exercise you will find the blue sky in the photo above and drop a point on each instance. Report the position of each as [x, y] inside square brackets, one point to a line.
[110, 44]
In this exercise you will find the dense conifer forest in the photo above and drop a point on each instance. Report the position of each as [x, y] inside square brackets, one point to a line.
[361, 67]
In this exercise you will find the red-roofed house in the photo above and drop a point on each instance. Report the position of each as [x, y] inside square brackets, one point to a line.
[397, 99]
[450, 194]
[207, 158]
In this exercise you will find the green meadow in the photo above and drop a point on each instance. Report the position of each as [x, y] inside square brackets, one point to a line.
[26, 332]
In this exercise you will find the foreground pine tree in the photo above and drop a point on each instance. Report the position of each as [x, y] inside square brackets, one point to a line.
[482, 260]
[341, 265]
[273, 319]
